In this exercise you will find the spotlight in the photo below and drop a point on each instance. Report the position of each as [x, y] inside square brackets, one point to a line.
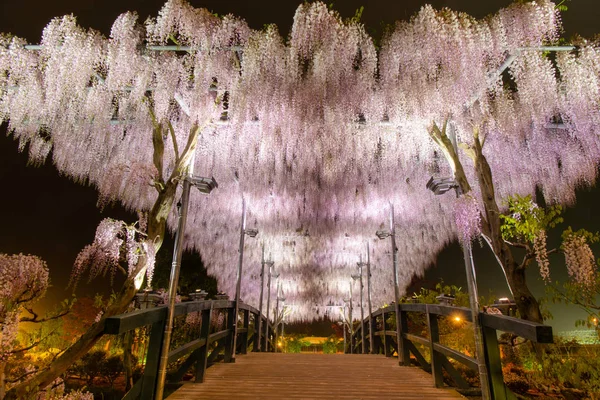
[441, 185]
[251, 232]
[383, 234]
[204, 185]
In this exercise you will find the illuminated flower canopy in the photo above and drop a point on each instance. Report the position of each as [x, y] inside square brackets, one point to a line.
[319, 132]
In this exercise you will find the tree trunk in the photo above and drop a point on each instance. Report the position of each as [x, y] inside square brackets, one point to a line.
[528, 306]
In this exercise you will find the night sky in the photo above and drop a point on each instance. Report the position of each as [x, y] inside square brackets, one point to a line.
[48, 215]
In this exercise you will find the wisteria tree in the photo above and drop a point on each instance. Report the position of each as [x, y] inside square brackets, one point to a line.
[319, 132]
[23, 282]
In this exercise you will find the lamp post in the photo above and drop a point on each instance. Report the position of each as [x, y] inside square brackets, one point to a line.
[369, 300]
[282, 323]
[243, 232]
[362, 315]
[277, 298]
[350, 322]
[204, 185]
[269, 263]
[274, 274]
[440, 186]
[392, 234]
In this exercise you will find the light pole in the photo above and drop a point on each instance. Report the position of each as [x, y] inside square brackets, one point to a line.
[277, 298]
[238, 287]
[362, 315]
[440, 186]
[204, 185]
[282, 323]
[392, 234]
[269, 263]
[350, 322]
[369, 300]
[274, 274]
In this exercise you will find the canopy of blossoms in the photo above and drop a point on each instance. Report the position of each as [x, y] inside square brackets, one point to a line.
[319, 131]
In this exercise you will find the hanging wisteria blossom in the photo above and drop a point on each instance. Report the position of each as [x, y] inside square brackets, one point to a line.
[320, 133]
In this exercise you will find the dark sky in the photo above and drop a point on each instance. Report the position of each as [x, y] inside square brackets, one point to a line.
[44, 214]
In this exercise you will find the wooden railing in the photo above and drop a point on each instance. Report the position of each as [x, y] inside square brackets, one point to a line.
[385, 342]
[214, 342]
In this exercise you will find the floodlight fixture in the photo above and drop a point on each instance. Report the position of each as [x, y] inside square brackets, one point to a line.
[251, 232]
[383, 234]
[441, 185]
[204, 185]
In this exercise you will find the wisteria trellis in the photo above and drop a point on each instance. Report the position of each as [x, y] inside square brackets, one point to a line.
[323, 129]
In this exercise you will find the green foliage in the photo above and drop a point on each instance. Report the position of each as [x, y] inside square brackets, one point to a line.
[330, 346]
[562, 6]
[564, 367]
[590, 237]
[525, 219]
[294, 344]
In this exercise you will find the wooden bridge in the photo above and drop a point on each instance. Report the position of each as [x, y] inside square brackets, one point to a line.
[371, 372]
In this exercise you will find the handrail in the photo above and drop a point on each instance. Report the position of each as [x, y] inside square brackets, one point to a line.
[384, 341]
[197, 350]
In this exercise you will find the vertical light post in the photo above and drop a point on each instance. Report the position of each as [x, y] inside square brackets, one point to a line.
[274, 274]
[440, 186]
[282, 323]
[369, 300]
[362, 315]
[238, 287]
[344, 327]
[392, 234]
[269, 263]
[204, 185]
[350, 321]
[277, 317]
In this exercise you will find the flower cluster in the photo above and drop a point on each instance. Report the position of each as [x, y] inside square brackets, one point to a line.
[23, 281]
[580, 260]
[320, 132]
[115, 242]
[468, 218]
[541, 254]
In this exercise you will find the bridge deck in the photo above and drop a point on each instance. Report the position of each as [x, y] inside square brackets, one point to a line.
[313, 376]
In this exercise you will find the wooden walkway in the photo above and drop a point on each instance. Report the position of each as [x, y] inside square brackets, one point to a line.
[313, 376]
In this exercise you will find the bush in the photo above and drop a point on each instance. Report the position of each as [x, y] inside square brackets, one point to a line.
[330, 346]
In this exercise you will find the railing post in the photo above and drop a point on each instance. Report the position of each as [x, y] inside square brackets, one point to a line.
[150, 378]
[231, 325]
[245, 337]
[203, 354]
[498, 389]
[436, 358]
[386, 345]
[403, 350]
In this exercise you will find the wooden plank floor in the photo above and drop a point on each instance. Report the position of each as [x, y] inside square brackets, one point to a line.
[313, 376]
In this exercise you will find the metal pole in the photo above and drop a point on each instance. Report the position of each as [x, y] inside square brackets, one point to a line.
[362, 314]
[344, 328]
[396, 287]
[238, 286]
[282, 326]
[268, 306]
[351, 323]
[474, 302]
[260, 301]
[369, 300]
[173, 281]
[277, 318]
